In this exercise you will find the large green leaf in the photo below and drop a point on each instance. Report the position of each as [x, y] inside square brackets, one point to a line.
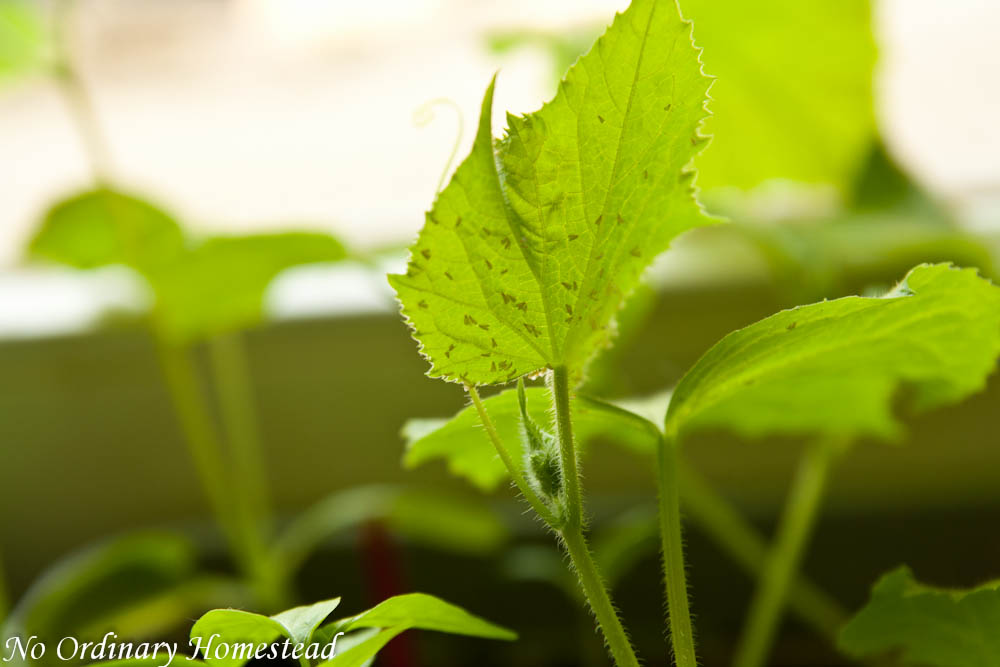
[219, 285]
[528, 253]
[793, 99]
[928, 626]
[415, 611]
[835, 367]
[469, 453]
[102, 227]
[235, 626]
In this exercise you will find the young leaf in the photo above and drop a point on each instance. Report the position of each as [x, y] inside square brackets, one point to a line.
[242, 627]
[794, 93]
[415, 611]
[930, 626]
[533, 245]
[835, 367]
[468, 450]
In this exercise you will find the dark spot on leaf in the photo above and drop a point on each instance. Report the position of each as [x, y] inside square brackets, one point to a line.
[621, 220]
[791, 326]
[573, 237]
[503, 271]
[506, 243]
[448, 276]
[484, 327]
[599, 219]
[493, 342]
[489, 264]
[422, 304]
[493, 367]
[567, 285]
[523, 307]
[485, 354]
[600, 118]
[667, 108]
[645, 173]
[569, 309]
[593, 294]
[458, 222]
[469, 320]
[426, 253]
[635, 252]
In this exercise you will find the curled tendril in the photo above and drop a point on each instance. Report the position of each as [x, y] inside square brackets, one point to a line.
[424, 116]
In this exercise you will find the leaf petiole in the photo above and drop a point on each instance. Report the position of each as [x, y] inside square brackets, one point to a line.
[678, 612]
[794, 531]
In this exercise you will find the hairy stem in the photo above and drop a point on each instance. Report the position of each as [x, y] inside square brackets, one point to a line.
[598, 598]
[679, 615]
[512, 468]
[572, 534]
[567, 448]
[744, 545]
[794, 530]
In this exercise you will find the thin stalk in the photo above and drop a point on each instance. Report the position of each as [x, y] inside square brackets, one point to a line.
[203, 443]
[567, 448]
[744, 545]
[678, 612]
[783, 561]
[77, 97]
[513, 470]
[597, 595]
[233, 387]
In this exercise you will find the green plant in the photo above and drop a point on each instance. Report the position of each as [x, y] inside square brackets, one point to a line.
[530, 250]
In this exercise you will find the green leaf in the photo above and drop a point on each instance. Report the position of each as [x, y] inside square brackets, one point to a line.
[835, 367]
[530, 250]
[470, 454]
[219, 285]
[202, 289]
[793, 99]
[103, 227]
[242, 627]
[415, 611]
[22, 38]
[930, 626]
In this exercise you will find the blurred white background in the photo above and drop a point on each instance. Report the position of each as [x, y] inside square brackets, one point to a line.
[261, 114]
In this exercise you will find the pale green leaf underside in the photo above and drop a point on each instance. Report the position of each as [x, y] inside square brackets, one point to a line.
[793, 98]
[835, 367]
[243, 627]
[529, 251]
[469, 453]
[929, 626]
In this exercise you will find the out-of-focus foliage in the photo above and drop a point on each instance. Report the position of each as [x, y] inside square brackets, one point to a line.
[437, 519]
[835, 367]
[202, 287]
[141, 585]
[793, 95]
[23, 39]
[531, 249]
[929, 626]
[470, 454]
